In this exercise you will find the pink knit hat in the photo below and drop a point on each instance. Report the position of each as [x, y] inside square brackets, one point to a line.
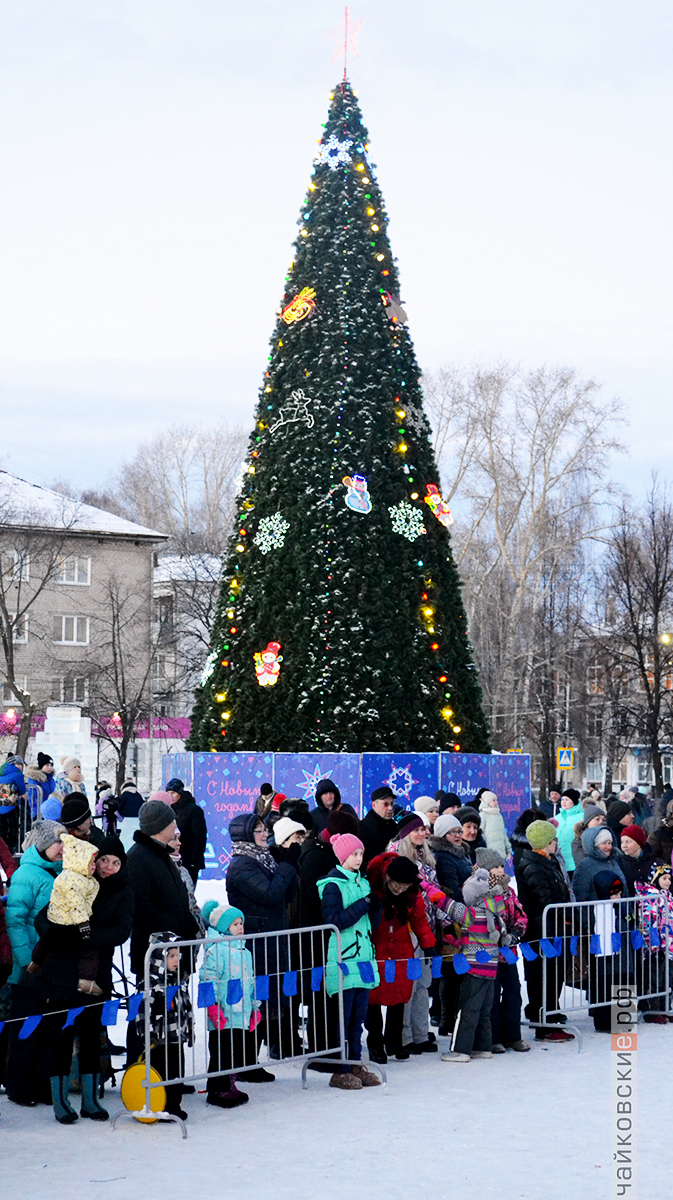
[164, 797]
[345, 844]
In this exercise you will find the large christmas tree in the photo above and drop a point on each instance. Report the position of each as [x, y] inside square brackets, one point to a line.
[340, 624]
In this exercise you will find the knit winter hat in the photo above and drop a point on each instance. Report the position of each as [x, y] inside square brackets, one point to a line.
[402, 870]
[341, 821]
[154, 816]
[161, 797]
[445, 823]
[475, 887]
[656, 872]
[591, 811]
[75, 810]
[603, 835]
[607, 884]
[447, 800]
[636, 834]
[409, 822]
[540, 834]
[572, 794]
[619, 809]
[69, 764]
[44, 760]
[488, 859]
[284, 828]
[114, 846]
[487, 798]
[174, 785]
[46, 833]
[345, 844]
[426, 804]
[220, 916]
[468, 814]
[14, 760]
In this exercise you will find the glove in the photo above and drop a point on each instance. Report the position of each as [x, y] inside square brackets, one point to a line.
[217, 1017]
[433, 892]
[85, 930]
[254, 1020]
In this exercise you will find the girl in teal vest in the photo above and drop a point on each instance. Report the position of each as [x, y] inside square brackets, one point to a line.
[347, 902]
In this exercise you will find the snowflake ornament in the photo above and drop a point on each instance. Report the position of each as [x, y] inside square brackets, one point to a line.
[271, 533]
[334, 153]
[407, 520]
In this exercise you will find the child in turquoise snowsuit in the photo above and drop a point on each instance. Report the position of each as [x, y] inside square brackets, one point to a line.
[233, 1016]
[347, 902]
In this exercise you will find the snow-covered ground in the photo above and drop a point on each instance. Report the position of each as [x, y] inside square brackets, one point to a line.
[517, 1127]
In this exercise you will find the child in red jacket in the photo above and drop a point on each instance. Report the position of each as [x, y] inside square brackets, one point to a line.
[396, 883]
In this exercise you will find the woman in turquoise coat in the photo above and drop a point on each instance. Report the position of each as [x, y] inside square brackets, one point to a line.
[569, 813]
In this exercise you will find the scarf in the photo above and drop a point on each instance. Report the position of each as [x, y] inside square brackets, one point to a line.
[252, 850]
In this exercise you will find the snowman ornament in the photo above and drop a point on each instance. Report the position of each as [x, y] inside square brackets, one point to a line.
[357, 496]
[267, 665]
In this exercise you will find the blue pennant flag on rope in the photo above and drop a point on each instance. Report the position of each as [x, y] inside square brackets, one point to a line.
[134, 1005]
[574, 941]
[460, 964]
[508, 955]
[655, 940]
[367, 972]
[549, 949]
[595, 943]
[235, 991]
[637, 939]
[171, 993]
[289, 983]
[109, 1013]
[437, 966]
[528, 951]
[29, 1026]
[2, 1026]
[389, 969]
[414, 968]
[262, 987]
[483, 957]
[316, 978]
[557, 943]
[616, 943]
[206, 994]
[343, 967]
[72, 1016]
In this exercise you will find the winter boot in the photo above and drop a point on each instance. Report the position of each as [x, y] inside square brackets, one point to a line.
[231, 1098]
[345, 1080]
[368, 1078]
[90, 1105]
[63, 1110]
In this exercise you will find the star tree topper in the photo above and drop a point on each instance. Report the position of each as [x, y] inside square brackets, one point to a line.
[344, 36]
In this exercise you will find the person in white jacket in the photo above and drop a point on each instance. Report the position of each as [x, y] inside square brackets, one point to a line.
[493, 825]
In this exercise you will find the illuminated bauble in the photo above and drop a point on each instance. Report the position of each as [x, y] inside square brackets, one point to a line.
[300, 306]
[407, 520]
[294, 409]
[333, 153]
[271, 533]
[267, 665]
[357, 496]
[438, 506]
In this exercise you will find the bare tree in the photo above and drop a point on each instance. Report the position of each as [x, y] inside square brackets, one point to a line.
[30, 554]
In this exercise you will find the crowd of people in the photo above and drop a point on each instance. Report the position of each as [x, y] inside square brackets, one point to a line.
[408, 892]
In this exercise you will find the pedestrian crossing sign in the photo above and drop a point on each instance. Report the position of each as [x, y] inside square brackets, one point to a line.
[565, 756]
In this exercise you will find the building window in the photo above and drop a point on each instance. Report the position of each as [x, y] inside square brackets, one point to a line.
[594, 769]
[594, 723]
[16, 565]
[73, 570]
[595, 679]
[8, 696]
[19, 628]
[164, 611]
[619, 774]
[69, 691]
[645, 771]
[72, 631]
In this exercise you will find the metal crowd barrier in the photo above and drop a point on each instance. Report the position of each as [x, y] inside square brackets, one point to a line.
[293, 1016]
[589, 946]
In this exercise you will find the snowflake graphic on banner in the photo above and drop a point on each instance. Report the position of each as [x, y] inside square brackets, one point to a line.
[404, 775]
[334, 153]
[311, 781]
[407, 520]
[271, 533]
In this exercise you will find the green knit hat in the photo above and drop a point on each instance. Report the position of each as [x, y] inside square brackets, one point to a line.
[540, 834]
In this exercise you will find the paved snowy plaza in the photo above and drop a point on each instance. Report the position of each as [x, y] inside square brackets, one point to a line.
[517, 1127]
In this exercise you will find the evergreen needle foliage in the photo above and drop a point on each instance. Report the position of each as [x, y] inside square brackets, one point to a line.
[366, 605]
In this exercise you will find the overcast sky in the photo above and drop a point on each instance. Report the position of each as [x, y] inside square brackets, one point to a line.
[155, 154]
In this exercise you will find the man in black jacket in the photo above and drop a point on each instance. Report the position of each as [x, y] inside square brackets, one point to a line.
[327, 800]
[540, 882]
[378, 827]
[160, 896]
[192, 826]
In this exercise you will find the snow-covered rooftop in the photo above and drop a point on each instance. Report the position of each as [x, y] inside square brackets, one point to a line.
[29, 505]
[187, 568]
